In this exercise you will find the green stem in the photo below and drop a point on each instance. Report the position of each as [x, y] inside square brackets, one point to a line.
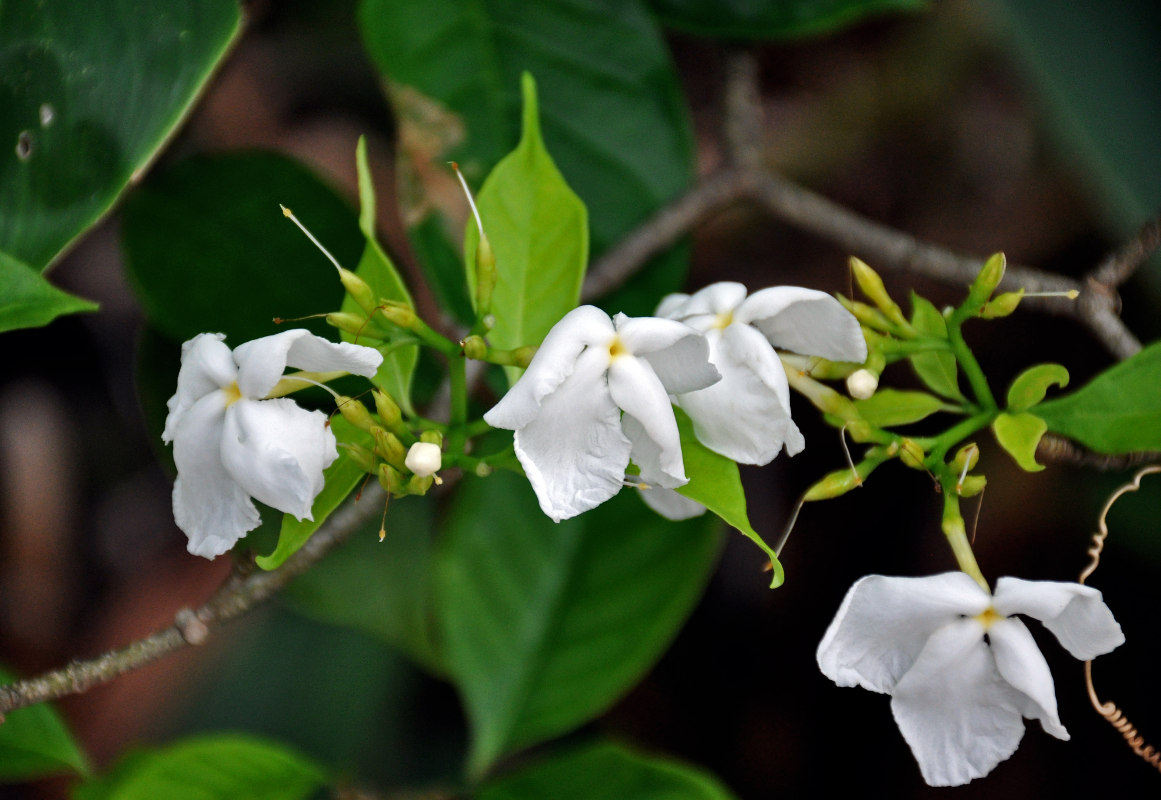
[956, 533]
[953, 436]
[969, 365]
[458, 377]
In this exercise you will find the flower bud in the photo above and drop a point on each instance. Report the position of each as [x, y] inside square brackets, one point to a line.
[971, 485]
[985, 283]
[388, 447]
[474, 347]
[424, 459]
[355, 324]
[361, 456]
[1002, 305]
[391, 479]
[966, 458]
[387, 409]
[872, 286]
[359, 290]
[862, 383]
[485, 275]
[399, 314]
[355, 413]
[911, 454]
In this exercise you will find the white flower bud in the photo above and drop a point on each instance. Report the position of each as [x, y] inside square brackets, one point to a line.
[862, 383]
[424, 458]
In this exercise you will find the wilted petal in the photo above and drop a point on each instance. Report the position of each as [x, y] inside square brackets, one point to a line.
[883, 624]
[1076, 614]
[746, 415]
[262, 361]
[1021, 664]
[277, 452]
[213, 510]
[955, 711]
[574, 452]
[553, 363]
[206, 365]
[656, 443]
[671, 505]
[804, 321]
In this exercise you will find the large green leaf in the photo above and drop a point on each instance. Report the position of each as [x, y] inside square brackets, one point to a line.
[714, 482]
[611, 105]
[218, 767]
[604, 771]
[34, 742]
[28, 301]
[209, 249]
[772, 19]
[1118, 411]
[87, 96]
[394, 374]
[545, 625]
[382, 588]
[937, 369]
[538, 229]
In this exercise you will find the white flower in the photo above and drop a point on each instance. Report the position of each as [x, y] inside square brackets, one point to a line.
[230, 444]
[962, 672]
[566, 408]
[424, 459]
[746, 416]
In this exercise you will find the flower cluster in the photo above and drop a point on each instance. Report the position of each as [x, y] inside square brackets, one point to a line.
[230, 444]
[962, 671]
[712, 354]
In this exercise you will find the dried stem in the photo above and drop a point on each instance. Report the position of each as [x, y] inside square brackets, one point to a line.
[236, 596]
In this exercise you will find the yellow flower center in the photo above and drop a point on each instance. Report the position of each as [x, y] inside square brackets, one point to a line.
[724, 320]
[233, 394]
[617, 348]
[989, 617]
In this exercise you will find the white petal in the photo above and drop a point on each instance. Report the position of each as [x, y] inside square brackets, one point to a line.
[884, 623]
[656, 443]
[1076, 614]
[642, 335]
[277, 452]
[206, 366]
[262, 361]
[805, 321]
[553, 363]
[670, 504]
[208, 505]
[746, 415]
[717, 298]
[574, 451]
[958, 715]
[678, 354]
[671, 306]
[1021, 664]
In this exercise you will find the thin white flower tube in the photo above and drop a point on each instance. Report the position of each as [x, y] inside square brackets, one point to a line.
[746, 415]
[231, 445]
[566, 409]
[959, 698]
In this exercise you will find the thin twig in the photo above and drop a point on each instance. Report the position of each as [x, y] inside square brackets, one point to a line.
[1059, 450]
[1119, 265]
[236, 596]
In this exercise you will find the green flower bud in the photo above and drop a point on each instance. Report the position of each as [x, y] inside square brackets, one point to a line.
[392, 480]
[355, 413]
[474, 347]
[361, 456]
[388, 447]
[359, 290]
[1002, 305]
[985, 283]
[386, 408]
[355, 324]
[399, 314]
[971, 485]
[872, 286]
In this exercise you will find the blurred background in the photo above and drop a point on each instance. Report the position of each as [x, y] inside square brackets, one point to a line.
[1024, 126]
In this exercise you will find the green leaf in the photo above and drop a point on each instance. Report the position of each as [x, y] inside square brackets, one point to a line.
[209, 249]
[29, 301]
[612, 109]
[1032, 384]
[545, 625]
[34, 742]
[90, 98]
[381, 588]
[216, 767]
[341, 479]
[538, 229]
[607, 770]
[763, 19]
[937, 370]
[1117, 411]
[715, 483]
[1019, 434]
[398, 367]
[887, 408]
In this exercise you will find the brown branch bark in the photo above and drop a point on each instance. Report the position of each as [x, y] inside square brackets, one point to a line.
[236, 596]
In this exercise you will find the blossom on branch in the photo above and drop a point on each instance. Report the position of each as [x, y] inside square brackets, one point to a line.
[746, 415]
[566, 408]
[231, 445]
[962, 672]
